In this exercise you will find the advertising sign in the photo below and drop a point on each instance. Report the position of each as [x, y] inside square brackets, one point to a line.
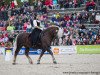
[67, 49]
[63, 49]
[55, 50]
[31, 51]
[88, 49]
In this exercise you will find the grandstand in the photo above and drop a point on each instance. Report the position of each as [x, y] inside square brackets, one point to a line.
[78, 19]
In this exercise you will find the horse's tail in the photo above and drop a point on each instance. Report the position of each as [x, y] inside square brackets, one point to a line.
[15, 44]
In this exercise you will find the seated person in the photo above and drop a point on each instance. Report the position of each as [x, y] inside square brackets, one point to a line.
[90, 5]
[35, 35]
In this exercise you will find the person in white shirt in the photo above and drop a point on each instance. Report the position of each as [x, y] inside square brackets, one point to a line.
[35, 22]
[5, 39]
[35, 35]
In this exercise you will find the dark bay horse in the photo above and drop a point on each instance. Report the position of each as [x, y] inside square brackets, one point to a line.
[47, 36]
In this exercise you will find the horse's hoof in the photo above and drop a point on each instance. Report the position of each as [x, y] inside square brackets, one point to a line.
[55, 62]
[38, 62]
[14, 63]
[31, 62]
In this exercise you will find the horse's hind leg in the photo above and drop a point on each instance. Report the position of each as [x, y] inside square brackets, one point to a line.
[15, 55]
[51, 53]
[26, 53]
[38, 61]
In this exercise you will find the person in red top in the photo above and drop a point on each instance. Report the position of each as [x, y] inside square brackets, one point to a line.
[25, 26]
[98, 39]
[66, 17]
[12, 4]
[90, 5]
[48, 3]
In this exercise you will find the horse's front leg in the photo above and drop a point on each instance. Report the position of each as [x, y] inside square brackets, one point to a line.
[53, 58]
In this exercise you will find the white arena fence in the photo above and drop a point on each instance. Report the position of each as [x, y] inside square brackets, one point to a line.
[78, 49]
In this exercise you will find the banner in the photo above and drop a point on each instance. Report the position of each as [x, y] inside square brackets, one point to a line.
[55, 50]
[79, 49]
[31, 51]
[63, 49]
[88, 49]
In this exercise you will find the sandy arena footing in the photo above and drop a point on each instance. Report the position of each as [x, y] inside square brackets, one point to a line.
[73, 64]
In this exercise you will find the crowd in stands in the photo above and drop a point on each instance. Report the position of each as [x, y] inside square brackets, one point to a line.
[14, 19]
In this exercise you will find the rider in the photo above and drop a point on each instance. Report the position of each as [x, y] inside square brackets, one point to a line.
[35, 38]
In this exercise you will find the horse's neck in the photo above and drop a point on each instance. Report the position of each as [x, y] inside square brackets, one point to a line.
[49, 34]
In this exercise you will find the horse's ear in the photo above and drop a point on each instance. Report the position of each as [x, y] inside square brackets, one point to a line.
[56, 30]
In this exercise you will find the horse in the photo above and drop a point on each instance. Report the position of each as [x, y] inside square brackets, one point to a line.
[46, 38]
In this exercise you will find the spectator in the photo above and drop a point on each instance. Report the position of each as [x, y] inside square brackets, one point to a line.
[82, 26]
[5, 38]
[29, 27]
[69, 41]
[10, 28]
[98, 40]
[12, 4]
[24, 18]
[71, 4]
[57, 15]
[90, 5]
[66, 17]
[18, 25]
[92, 18]
[25, 26]
[1, 37]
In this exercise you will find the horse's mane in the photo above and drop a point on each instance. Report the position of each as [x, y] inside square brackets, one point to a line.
[49, 28]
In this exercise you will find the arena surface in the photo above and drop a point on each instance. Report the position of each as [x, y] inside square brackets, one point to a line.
[69, 64]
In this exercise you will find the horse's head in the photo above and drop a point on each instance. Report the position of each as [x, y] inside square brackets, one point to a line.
[55, 31]
[51, 31]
